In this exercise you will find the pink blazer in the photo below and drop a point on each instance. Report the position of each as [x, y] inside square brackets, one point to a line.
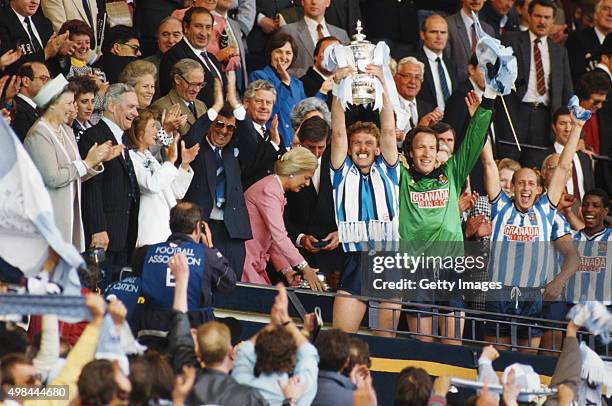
[265, 201]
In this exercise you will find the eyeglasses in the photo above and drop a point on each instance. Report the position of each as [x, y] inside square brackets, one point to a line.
[220, 125]
[135, 48]
[43, 78]
[410, 76]
[192, 84]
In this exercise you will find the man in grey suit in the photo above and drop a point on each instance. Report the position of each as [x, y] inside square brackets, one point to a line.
[544, 82]
[462, 36]
[308, 31]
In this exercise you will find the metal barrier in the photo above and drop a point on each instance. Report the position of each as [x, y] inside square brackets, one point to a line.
[75, 307]
[470, 317]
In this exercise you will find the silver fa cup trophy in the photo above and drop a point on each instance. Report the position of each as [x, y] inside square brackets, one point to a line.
[364, 85]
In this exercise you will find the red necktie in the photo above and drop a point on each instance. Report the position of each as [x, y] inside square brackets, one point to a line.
[539, 67]
[474, 39]
[320, 33]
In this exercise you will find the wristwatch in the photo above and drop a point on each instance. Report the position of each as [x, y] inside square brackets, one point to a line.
[301, 266]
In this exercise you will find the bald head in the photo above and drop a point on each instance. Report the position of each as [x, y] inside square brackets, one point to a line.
[434, 33]
[526, 188]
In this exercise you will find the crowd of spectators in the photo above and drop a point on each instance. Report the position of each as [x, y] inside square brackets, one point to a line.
[200, 143]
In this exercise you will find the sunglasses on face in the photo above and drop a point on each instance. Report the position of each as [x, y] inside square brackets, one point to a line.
[135, 48]
[220, 125]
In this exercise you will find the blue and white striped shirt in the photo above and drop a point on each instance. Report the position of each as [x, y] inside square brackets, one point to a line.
[561, 227]
[521, 248]
[367, 206]
[593, 281]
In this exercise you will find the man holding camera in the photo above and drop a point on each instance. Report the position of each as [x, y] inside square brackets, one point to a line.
[210, 273]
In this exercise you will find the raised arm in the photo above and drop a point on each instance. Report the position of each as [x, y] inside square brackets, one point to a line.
[339, 141]
[199, 129]
[388, 143]
[557, 183]
[491, 173]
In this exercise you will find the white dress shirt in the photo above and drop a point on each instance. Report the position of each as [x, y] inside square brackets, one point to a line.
[433, 65]
[115, 129]
[261, 129]
[410, 106]
[532, 95]
[27, 100]
[600, 35]
[312, 28]
[579, 175]
[604, 67]
[198, 52]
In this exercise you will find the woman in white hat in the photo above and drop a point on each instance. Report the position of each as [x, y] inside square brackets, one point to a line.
[53, 148]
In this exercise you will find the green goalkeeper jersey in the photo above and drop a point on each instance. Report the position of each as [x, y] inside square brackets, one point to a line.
[429, 204]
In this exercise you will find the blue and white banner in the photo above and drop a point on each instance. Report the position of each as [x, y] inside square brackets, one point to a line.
[27, 228]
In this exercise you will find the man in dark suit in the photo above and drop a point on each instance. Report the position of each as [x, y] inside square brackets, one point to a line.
[110, 201]
[21, 26]
[258, 101]
[462, 35]
[500, 15]
[197, 29]
[228, 148]
[121, 46]
[440, 76]
[584, 45]
[317, 79]
[603, 168]
[581, 179]
[148, 16]
[309, 214]
[543, 84]
[33, 76]
[308, 31]
[408, 79]
[344, 14]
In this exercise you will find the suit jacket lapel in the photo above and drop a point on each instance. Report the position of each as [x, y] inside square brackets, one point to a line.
[211, 169]
[422, 56]
[463, 38]
[79, 6]
[110, 136]
[304, 36]
[176, 99]
[525, 48]
[17, 22]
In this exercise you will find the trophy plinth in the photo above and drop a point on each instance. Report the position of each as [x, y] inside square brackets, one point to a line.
[364, 84]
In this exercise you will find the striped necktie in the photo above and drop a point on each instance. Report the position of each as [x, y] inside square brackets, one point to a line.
[443, 82]
[35, 44]
[220, 179]
[539, 67]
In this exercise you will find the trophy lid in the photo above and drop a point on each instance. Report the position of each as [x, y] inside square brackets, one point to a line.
[359, 37]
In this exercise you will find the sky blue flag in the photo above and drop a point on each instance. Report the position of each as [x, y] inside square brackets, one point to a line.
[490, 50]
[27, 227]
